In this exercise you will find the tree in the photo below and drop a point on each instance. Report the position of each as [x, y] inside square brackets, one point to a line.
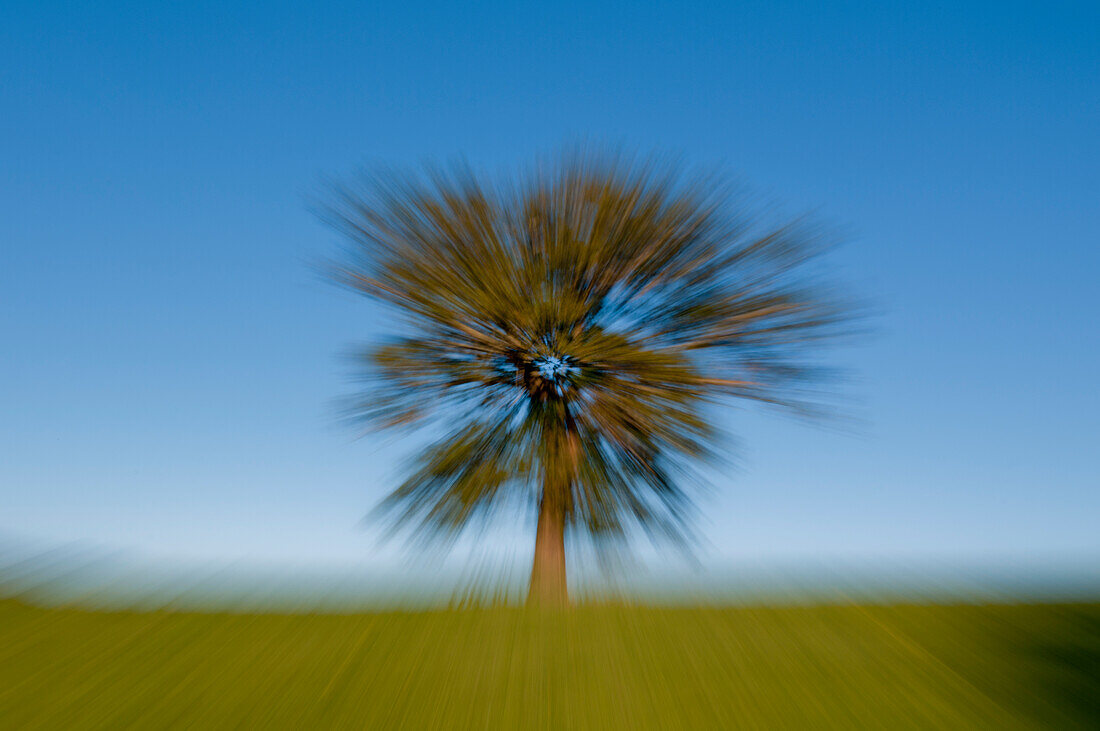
[573, 331]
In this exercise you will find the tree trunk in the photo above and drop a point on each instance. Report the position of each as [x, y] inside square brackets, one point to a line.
[548, 588]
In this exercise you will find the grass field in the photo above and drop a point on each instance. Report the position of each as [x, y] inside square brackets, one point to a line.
[888, 667]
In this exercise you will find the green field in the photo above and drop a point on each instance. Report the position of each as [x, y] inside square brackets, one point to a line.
[889, 667]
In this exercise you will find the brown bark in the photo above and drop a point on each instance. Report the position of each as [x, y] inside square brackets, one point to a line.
[548, 586]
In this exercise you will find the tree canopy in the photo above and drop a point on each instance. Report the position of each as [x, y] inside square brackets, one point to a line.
[573, 330]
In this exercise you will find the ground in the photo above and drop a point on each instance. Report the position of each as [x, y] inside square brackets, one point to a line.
[886, 667]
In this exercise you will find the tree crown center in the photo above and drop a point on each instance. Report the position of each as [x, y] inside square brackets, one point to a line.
[555, 367]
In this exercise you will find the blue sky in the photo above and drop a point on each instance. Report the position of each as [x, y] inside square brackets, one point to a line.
[168, 359]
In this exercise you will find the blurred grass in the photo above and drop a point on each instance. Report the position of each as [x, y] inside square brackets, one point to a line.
[887, 667]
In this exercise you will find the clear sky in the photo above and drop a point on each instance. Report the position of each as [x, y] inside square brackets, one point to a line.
[168, 360]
